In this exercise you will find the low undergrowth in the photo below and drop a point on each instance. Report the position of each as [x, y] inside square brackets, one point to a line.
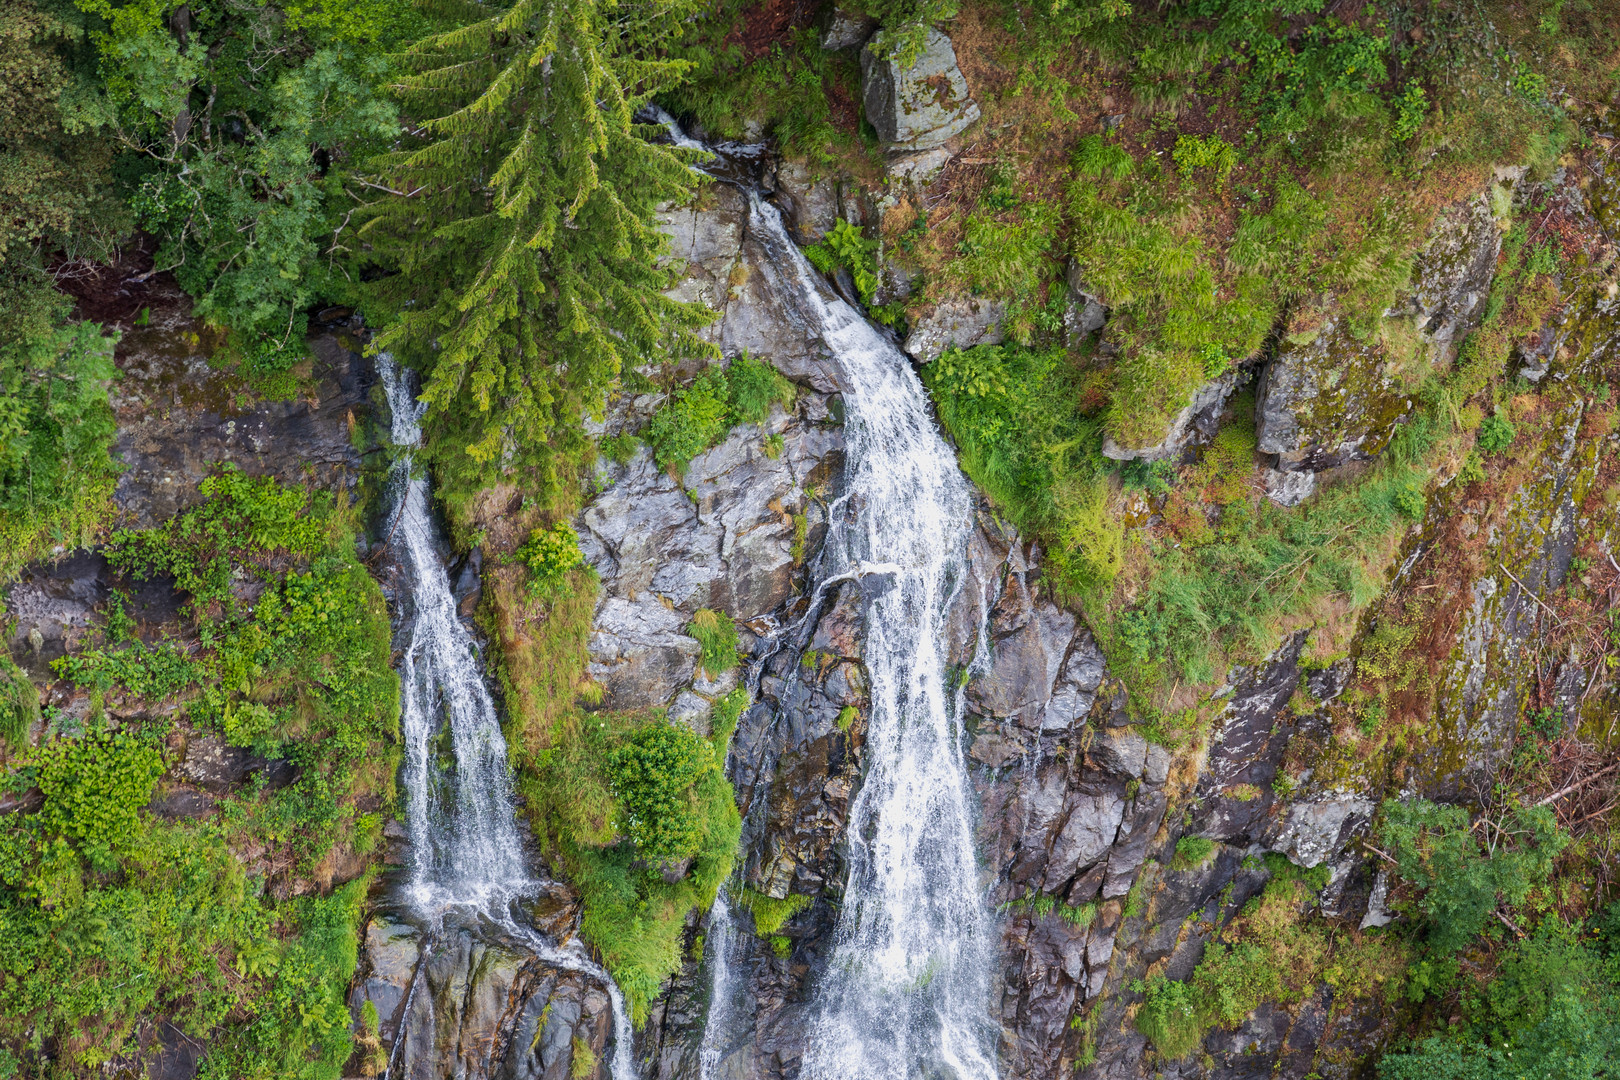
[645, 822]
[108, 916]
[1272, 951]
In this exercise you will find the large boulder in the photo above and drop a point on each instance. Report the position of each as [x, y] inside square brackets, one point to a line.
[921, 106]
[1329, 400]
[959, 324]
[1198, 420]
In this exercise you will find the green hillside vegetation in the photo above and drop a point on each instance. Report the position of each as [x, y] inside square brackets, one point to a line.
[472, 179]
[112, 915]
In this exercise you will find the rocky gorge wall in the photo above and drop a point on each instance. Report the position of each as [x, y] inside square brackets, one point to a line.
[1081, 812]
[1081, 804]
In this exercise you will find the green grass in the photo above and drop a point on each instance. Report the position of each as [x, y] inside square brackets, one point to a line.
[717, 634]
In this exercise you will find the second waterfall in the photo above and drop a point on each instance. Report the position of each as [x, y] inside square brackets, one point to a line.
[907, 992]
[468, 862]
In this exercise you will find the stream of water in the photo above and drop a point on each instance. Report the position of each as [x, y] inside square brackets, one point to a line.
[467, 852]
[908, 989]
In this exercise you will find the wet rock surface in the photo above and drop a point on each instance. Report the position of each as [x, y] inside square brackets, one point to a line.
[460, 999]
[730, 271]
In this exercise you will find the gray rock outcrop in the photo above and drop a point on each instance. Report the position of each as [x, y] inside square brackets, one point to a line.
[1198, 420]
[959, 324]
[461, 1002]
[1329, 398]
[1328, 401]
[722, 539]
[728, 269]
[921, 106]
[844, 26]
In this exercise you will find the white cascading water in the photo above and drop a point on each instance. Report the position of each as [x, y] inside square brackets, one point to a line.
[907, 992]
[466, 849]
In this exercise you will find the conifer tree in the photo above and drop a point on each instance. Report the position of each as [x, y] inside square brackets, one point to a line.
[520, 227]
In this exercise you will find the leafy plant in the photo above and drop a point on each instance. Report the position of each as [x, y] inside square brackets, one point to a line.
[1193, 853]
[653, 774]
[693, 420]
[549, 555]
[1460, 883]
[1194, 152]
[845, 246]
[95, 787]
[1495, 434]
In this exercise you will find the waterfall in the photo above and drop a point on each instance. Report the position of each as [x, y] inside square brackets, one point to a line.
[908, 990]
[464, 837]
[466, 848]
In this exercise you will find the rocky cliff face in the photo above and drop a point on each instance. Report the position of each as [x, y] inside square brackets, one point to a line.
[1080, 809]
[1081, 812]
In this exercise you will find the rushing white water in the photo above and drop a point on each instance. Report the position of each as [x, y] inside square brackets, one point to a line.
[464, 838]
[720, 941]
[466, 849]
[907, 992]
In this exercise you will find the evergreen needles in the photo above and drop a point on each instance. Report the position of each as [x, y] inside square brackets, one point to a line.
[519, 221]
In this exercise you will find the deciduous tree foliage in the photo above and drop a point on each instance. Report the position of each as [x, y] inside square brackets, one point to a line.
[519, 221]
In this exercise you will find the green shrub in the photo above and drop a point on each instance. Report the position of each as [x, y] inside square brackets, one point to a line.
[1460, 880]
[701, 415]
[653, 774]
[1011, 412]
[1411, 108]
[755, 385]
[56, 426]
[845, 246]
[693, 420]
[550, 554]
[717, 633]
[1193, 152]
[95, 788]
[1193, 853]
[1576, 1040]
[633, 916]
